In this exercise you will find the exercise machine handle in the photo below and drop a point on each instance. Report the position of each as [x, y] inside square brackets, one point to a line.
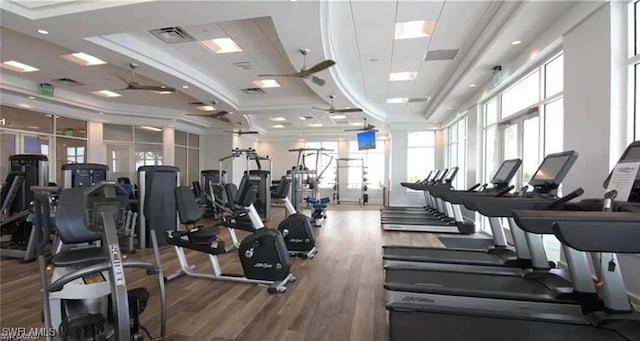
[576, 193]
[472, 188]
[505, 191]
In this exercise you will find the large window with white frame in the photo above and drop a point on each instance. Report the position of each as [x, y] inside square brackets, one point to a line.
[62, 139]
[420, 154]
[325, 161]
[456, 152]
[634, 68]
[129, 147]
[374, 163]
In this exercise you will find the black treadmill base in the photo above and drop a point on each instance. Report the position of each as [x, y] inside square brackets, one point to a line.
[448, 326]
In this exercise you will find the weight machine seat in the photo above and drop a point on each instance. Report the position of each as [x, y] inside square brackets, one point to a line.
[82, 257]
[190, 214]
[281, 190]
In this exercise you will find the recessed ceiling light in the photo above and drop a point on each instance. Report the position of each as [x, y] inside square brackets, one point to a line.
[339, 117]
[278, 119]
[18, 67]
[315, 125]
[472, 85]
[48, 115]
[414, 29]
[403, 76]
[450, 108]
[32, 97]
[185, 87]
[222, 45]
[277, 126]
[33, 127]
[355, 124]
[100, 113]
[206, 108]
[83, 59]
[302, 118]
[41, 31]
[106, 93]
[164, 92]
[516, 42]
[150, 128]
[397, 100]
[24, 105]
[267, 83]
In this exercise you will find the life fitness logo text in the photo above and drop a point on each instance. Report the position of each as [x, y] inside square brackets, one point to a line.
[263, 265]
[118, 270]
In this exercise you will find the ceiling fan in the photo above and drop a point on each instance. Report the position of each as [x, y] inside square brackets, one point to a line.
[365, 127]
[304, 72]
[218, 115]
[241, 132]
[134, 85]
[332, 109]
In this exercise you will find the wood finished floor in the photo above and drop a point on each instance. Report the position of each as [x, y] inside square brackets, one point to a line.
[338, 295]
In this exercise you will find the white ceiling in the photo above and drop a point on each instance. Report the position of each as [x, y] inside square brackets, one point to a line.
[359, 35]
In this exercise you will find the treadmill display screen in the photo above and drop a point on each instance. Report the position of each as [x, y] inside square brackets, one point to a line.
[632, 154]
[506, 171]
[550, 169]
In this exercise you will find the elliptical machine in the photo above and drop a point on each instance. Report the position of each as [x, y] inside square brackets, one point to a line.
[87, 297]
[296, 228]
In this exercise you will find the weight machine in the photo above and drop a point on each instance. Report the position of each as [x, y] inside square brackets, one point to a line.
[342, 165]
[305, 181]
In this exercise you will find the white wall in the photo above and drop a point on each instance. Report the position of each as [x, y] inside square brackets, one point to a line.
[212, 148]
[97, 153]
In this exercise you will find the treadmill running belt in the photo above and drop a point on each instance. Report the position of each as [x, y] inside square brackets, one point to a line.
[466, 243]
[440, 255]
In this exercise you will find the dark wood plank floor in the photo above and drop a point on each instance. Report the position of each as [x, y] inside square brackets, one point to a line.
[338, 295]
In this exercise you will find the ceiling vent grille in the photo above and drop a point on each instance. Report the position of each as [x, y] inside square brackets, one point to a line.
[172, 35]
[253, 91]
[244, 65]
[67, 82]
[441, 55]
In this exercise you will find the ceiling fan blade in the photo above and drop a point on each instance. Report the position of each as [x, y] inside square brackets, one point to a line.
[155, 88]
[355, 129]
[219, 114]
[199, 115]
[347, 110]
[297, 74]
[319, 81]
[325, 64]
[224, 119]
[248, 132]
[322, 109]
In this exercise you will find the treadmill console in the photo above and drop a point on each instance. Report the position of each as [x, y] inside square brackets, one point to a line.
[552, 171]
[631, 154]
[505, 173]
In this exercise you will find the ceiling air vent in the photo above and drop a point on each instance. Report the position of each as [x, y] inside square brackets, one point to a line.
[441, 55]
[67, 82]
[253, 91]
[172, 35]
[244, 65]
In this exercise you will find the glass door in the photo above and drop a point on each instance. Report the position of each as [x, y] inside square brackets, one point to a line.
[8, 147]
[38, 144]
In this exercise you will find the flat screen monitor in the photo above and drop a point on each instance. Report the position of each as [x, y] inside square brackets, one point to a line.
[367, 140]
[506, 171]
[553, 169]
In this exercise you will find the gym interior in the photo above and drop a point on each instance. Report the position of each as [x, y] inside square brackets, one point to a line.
[320, 170]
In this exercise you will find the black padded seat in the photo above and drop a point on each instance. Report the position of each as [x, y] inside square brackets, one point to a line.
[190, 214]
[82, 257]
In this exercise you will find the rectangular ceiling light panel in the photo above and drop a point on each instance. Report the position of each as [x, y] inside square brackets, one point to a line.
[403, 76]
[222, 45]
[18, 67]
[106, 93]
[82, 58]
[414, 29]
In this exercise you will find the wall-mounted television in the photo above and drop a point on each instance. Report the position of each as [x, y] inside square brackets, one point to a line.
[367, 140]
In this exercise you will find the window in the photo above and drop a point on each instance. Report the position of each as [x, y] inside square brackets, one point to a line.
[130, 147]
[420, 154]
[634, 70]
[521, 95]
[325, 161]
[457, 151]
[374, 163]
[62, 139]
[187, 156]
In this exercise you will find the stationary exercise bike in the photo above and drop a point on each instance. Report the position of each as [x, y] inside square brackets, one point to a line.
[263, 254]
[296, 228]
[87, 297]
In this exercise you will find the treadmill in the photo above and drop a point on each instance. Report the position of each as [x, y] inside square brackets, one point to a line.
[432, 176]
[578, 227]
[501, 258]
[409, 211]
[539, 289]
[438, 217]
